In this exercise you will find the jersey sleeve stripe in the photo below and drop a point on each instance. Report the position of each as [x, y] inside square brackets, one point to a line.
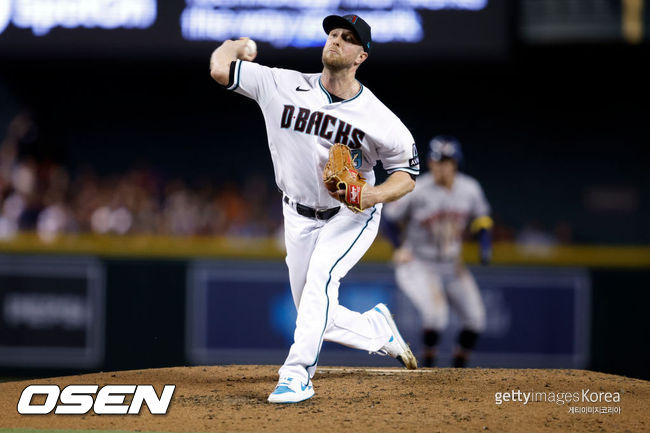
[235, 69]
[406, 169]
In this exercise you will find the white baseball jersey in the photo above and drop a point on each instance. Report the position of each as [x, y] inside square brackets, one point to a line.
[303, 121]
[438, 216]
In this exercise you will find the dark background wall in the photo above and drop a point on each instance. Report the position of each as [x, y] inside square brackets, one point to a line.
[146, 324]
[541, 130]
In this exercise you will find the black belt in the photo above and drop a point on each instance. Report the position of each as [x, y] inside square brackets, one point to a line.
[310, 212]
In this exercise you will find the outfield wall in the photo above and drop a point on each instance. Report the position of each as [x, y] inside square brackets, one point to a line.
[104, 312]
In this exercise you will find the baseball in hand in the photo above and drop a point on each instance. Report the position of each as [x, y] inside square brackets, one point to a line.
[251, 48]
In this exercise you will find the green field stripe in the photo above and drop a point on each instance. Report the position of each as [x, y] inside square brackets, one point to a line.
[153, 246]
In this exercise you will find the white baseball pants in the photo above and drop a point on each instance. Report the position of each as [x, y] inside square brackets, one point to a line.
[433, 287]
[319, 254]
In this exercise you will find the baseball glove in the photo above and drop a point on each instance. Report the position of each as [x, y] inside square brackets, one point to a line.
[339, 174]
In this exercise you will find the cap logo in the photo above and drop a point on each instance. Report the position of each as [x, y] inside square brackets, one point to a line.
[354, 19]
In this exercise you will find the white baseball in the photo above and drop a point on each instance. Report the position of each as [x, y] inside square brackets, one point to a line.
[251, 47]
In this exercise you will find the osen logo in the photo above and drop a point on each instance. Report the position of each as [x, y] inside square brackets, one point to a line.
[79, 399]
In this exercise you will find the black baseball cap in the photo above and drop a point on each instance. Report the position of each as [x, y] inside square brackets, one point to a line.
[351, 22]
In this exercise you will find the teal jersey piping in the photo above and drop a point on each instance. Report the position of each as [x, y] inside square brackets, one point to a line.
[329, 97]
[372, 214]
[355, 96]
[237, 74]
[407, 169]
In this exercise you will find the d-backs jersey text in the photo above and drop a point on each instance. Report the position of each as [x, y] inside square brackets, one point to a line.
[303, 122]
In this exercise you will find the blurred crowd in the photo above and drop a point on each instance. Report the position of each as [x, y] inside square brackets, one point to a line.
[50, 199]
[47, 198]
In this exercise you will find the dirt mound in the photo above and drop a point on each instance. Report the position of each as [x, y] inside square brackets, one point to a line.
[233, 399]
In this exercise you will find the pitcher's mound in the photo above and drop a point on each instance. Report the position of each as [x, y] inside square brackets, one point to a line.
[233, 399]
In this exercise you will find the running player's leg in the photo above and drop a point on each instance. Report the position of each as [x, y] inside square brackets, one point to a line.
[465, 299]
[341, 244]
[424, 289]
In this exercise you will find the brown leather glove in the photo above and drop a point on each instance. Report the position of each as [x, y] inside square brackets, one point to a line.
[339, 174]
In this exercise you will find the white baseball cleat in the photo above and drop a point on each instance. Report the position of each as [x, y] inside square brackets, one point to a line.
[396, 346]
[291, 390]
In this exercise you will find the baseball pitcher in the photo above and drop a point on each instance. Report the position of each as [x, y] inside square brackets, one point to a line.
[429, 269]
[305, 116]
